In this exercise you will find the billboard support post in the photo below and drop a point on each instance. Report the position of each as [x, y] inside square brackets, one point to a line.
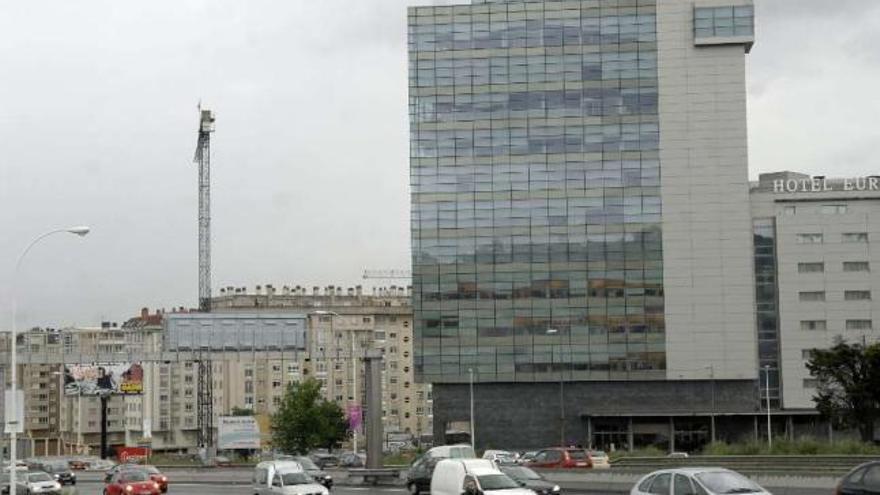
[103, 426]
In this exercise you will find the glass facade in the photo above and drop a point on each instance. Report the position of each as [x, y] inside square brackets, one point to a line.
[535, 180]
[767, 301]
[724, 22]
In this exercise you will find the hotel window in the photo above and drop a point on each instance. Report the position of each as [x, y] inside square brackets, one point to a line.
[857, 295]
[790, 211]
[809, 238]
[811, 383]
[812, 296]
[832, 209]
[856, 237]
[814, 325]
[858, 324]
[856, 266]
[811, 267]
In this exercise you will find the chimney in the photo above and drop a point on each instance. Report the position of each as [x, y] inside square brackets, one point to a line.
[339, 291]
[285, 291]
[350, 291]
[145, 312]
[359, 290]
[259, 290]
[315, 290]
[222, 290]
[409, 291]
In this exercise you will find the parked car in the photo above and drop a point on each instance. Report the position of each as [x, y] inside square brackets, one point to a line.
[473, 477]
[530, 479]
[500, 456]
[526, 457]
[709, 481]
[313, 470]
[325, 460]
[862, 480]
[131, 482]
[151, 471]
[285, 478]
[599, 459]
[561, 458]
[352, 460]
[33, 483]
[59, 470]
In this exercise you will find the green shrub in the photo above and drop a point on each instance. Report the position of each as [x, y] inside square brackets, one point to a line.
[802, 446]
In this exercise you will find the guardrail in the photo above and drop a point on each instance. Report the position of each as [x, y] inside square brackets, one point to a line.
[818, 465]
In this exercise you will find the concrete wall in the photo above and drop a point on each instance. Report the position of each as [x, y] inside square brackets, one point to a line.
[707, 234]
[527, 415]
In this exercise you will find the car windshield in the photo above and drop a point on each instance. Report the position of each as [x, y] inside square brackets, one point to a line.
[296, 479]
[497, 482]
[134, 476]
[727, 482]
[55, 468]
[521, 473]
[307, 463]
[151, 469]
[38, 477]
[577, 454]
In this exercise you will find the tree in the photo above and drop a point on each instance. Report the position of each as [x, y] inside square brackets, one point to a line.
[306, 420]
[848, 391]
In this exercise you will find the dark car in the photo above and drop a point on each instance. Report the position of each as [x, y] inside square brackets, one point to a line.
[561, 458]
[314, 471]
[530, 479]
[59, 470]
[862, 480]
[325, 460]
[351, 460]
[418, 477]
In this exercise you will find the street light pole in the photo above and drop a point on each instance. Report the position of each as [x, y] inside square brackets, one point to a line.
[714, 411]
[553, 331]
[12, 423]
[767, 387]
[471, 383]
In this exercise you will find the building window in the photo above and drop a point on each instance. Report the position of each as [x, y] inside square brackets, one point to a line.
[367, 319]
[857, 295]
[812, 296]
[809, 238]
[790, 211]
[855, 237]
[856, 266]
[811, 383]
[814, 325]
[858, 324]
[811, 267]
[832, 209]
[806, 354]
[724, 22]
[379, 335]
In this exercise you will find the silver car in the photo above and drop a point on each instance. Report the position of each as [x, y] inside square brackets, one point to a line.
[696, 481]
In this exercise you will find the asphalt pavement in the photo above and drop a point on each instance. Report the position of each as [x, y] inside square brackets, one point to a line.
[93, 488]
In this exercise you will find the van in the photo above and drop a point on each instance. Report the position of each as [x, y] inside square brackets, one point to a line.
[418, 476]
[285, 478]
[473, 477]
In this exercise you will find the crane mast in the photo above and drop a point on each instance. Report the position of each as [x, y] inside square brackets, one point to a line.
[203, 158]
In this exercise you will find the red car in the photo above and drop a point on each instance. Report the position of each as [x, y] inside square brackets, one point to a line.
[131, 483]
[561, 458]
[152, 472]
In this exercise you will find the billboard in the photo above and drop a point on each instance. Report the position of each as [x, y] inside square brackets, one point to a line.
[129, 455]
[235, 332]
[238, 432]
[107, 378]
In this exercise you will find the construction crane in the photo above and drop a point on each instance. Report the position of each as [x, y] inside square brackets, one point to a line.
[205, 400]
[388, 274]
[203, 158]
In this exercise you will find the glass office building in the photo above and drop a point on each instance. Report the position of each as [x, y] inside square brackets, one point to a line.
[539, 210]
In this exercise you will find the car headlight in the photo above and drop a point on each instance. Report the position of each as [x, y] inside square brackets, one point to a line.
[556, 488]
[328, 477]
[129, 488]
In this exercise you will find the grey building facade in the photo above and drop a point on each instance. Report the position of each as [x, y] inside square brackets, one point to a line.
[580, 220]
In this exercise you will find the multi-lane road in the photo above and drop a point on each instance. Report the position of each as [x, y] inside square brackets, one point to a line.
[96, 488]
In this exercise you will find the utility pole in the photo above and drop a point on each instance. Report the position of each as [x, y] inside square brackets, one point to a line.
[471, 382]
[769, 428]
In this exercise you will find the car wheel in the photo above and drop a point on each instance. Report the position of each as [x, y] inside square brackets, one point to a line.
[413, 488]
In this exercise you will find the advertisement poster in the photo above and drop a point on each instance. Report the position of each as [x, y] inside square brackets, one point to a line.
[238, 432]
[99, 379]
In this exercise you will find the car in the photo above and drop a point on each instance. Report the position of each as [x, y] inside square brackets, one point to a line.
[131, 482]
[151, 471]
[473, 477]
[352, 460]
[863, 479]
[32, 483]
[325, 460]
[500, 456]
[599, 459]
[418, 476]
[78, 464]
[59, 470]
[526, 457]
[285, 478]
[696, 481]
[314, 471]
[530, 479]
[222, 461]
[561, 457]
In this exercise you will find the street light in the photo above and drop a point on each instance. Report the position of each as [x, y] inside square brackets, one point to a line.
[767, 388]
[13, 425]
[554, 331]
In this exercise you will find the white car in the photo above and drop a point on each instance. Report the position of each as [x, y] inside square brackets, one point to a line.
[500, 456]
[473, 477]
[285, 478]
[696, 481]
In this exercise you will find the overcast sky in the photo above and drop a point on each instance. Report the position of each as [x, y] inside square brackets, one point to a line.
[310, 175]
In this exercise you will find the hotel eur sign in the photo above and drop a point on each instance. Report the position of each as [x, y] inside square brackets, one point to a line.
[821, 184]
